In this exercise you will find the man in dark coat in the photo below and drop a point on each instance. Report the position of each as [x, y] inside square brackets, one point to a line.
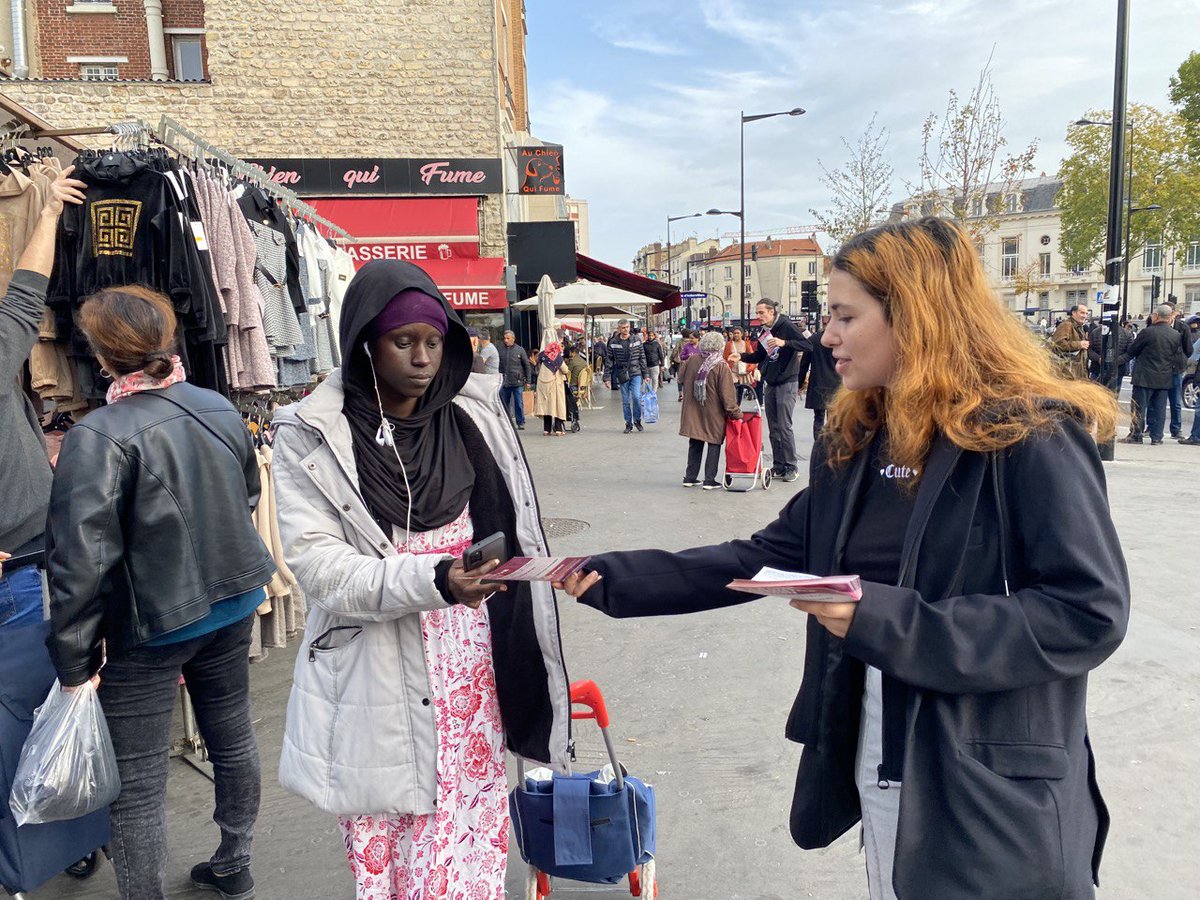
[1100, 355]
[625, 368]
[778, 360]
[817, 365]
[517, 372]
[1156, 351]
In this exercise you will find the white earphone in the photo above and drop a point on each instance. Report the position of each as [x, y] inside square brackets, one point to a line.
[384, 437]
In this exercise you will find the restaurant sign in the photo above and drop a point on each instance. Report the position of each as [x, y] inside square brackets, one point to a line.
[369, 176]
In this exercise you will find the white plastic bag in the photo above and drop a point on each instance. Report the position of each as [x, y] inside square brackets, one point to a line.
[67, 767]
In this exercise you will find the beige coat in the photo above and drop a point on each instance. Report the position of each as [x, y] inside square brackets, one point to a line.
[551, 398]
[707, 423]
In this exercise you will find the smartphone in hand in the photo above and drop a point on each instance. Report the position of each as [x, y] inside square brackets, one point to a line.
[494, 546]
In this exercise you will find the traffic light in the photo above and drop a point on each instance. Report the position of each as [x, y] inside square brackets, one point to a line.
[1155, 287]
[754, 252]
[808, 296]
[704, 313]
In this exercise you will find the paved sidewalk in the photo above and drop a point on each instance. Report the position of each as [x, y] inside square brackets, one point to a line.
[699, 703]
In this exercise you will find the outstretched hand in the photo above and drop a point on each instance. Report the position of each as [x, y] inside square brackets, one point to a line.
[577, 584]
[64, 189]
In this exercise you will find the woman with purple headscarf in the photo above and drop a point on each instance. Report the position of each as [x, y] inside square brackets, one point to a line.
[417, 672]
[709, 399]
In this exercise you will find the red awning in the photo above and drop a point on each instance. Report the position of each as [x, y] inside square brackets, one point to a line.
[439, 234]
[403, 217]
[665, 295]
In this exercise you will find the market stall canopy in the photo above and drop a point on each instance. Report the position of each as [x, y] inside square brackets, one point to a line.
[664, 296]
[590, 298]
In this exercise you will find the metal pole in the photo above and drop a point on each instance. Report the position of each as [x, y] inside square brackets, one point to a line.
[1112, 269]
[1128, 224]
[742, 246]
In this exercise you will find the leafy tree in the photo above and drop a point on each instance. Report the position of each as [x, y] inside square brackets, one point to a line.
[860, 189]
[1185, 94]
[1163, 173]
[1027, 280]
[963, 167]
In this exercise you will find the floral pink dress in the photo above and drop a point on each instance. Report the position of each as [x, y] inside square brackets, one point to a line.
[460, 851]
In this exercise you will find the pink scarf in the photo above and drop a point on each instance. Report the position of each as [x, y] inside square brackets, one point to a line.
[135, 382]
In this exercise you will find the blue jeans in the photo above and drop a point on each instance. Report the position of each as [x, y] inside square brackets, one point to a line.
[1151, 406]
[1176, 400]
[20, 597]
[513, 401]
[631, 399]
[1195, 435]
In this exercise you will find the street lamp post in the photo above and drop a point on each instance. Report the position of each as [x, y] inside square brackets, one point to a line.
[734, 212]
[671, 219]
[1129, 252]
[742, 180]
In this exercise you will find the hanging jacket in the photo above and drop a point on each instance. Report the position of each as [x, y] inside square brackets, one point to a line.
[360, 734]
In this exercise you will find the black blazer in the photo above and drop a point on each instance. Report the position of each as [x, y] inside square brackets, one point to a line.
[1013, 587]
[149, 523]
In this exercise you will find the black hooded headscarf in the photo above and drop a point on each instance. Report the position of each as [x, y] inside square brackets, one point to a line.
[430, 441]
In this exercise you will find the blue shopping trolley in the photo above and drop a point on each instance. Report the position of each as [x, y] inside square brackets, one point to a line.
[580, 828]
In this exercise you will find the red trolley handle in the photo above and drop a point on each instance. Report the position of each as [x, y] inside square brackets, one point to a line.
[586, 693]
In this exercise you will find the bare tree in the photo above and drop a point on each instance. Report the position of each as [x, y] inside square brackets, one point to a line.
[860, 189]
[964, 174]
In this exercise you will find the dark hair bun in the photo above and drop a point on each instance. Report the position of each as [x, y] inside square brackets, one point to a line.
[158, 365]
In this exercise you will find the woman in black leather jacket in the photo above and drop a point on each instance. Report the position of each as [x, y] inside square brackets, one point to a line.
[151, 550]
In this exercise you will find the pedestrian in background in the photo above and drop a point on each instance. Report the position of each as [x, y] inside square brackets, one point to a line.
[551, 400]
[745, 374]
[709, 400]
[777, 355]
[516, 373]
[489, 353]
[676, 358]
[1156, 356]
[1070, 342]
[626, 369]
[946, 709]
[478, 365]
[165, 472]
[403, 703]
[819, 368]
[655, 356]
[25, 483]
[1100, 366]
[1175, 398]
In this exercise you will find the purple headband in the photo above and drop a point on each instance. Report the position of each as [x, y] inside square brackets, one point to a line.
[407, 307]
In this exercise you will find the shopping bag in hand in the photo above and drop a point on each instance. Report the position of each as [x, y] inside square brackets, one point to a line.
[649, 407]
[67, 767]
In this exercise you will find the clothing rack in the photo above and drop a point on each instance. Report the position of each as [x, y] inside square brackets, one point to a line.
[187, 143]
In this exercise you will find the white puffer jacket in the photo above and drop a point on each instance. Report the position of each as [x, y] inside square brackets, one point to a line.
[360, 736]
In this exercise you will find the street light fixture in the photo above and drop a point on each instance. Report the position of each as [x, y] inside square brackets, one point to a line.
[797, 111]
[671, 219]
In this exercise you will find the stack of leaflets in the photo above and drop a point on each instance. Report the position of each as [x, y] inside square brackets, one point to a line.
[776, 583]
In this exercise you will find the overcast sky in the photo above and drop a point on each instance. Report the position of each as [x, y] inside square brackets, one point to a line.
[645, 94]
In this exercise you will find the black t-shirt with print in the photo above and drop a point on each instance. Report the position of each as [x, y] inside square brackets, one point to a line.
[876, 540]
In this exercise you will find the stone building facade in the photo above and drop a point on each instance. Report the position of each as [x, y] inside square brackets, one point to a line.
[337, 78]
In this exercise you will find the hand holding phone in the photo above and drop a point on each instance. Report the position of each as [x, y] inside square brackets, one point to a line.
[494, 546]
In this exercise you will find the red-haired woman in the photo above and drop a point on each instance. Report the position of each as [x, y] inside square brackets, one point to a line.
[956, 478]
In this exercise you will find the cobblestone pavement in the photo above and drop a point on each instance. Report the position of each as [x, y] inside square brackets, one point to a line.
[699, 703]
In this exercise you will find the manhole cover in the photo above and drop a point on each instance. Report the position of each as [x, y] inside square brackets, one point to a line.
[556, 528]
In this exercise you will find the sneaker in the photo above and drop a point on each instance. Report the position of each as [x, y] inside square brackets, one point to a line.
[790, 475]
[234, 886]
[520, 428]
[1189, 441]
[1154, 443]
[692, 483]
[1176, 434]
[638, 426]
[1131, 440]
[628, 429]
[711, 485]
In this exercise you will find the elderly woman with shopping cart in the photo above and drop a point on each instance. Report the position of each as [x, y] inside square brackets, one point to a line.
[709, 401]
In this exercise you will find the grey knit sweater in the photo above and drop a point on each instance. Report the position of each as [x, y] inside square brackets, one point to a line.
[25, 473]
